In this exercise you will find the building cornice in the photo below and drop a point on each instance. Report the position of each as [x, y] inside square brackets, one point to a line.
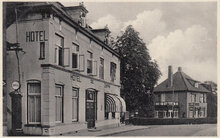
[76, 72]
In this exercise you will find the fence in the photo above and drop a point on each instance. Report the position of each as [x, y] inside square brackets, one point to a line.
[171, 121]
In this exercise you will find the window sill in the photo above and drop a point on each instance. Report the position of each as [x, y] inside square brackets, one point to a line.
[33, 125]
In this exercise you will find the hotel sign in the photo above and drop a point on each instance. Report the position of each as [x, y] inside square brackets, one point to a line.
[75, 77]
[36, 36]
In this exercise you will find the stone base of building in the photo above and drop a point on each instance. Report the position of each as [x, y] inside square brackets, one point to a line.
[62, 129]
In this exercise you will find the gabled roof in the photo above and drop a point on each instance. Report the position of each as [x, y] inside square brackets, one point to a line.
[181, 82]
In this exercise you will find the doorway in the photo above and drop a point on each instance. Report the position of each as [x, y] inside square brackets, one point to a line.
[91, 108]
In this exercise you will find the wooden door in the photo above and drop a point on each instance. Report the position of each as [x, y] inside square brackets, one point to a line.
[90, 108]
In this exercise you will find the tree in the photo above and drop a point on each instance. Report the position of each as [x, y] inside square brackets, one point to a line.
[139, 73]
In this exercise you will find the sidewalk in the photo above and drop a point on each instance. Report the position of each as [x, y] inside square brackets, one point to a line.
[106, 132]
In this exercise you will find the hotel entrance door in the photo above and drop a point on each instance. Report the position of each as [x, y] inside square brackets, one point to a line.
[91, 107]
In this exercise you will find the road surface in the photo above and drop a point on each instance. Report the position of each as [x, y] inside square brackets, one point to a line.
[173, 130]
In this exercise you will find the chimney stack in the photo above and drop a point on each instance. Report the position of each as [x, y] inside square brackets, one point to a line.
[78, 13]
[179, 69]
[170, 76]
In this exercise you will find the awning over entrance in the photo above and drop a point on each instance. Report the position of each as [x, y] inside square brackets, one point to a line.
[114, 103]
[123, 104]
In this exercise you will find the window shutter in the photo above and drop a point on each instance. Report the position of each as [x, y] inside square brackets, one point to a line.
[66, 57]
[81, 63]
[94, 70]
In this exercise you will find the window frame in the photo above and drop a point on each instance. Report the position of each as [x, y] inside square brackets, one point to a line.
[193, 100]
[42, 50]
[90, 59]
[62, 97]
[77, 98]
[113, 68]
[35, 95]
[57, 50]
[75, 51]
[102, 68]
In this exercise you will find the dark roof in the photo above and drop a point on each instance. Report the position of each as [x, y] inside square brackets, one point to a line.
[181, 82]
[77, 7]
[101, 30]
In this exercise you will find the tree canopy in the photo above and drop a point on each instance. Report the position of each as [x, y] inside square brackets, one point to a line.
[139, 73]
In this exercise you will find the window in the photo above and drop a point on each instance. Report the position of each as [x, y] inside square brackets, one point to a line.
[59, 103]
[42, 50]
[204, 98]
[75, 56]
[196, 84]
[163, 97]
[75, 97]
[59, 50]
[74, 60]
[201, 98]
[113, 71]
[34, 103]
[193, 98]
[101, 69]
[89, 62]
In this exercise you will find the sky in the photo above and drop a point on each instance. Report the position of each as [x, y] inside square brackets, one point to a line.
[179, 34]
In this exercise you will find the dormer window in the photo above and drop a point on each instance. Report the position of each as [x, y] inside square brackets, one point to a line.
[197, 85]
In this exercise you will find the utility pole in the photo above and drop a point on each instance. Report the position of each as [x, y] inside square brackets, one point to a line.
[4, 73]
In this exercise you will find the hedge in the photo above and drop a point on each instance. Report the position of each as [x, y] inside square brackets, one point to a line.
[171, 121]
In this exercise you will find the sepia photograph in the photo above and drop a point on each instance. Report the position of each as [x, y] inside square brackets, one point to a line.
[110, 69]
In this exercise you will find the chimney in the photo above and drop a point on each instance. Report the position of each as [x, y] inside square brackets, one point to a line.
[102, 34]
[179, 69]
[170, 76]
[77, 13]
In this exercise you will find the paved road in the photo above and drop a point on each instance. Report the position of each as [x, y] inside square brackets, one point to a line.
[174, 130]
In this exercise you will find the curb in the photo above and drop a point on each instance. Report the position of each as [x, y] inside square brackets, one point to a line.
[108, 134]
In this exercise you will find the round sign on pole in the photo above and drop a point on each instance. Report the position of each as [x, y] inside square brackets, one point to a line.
[15, 85]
